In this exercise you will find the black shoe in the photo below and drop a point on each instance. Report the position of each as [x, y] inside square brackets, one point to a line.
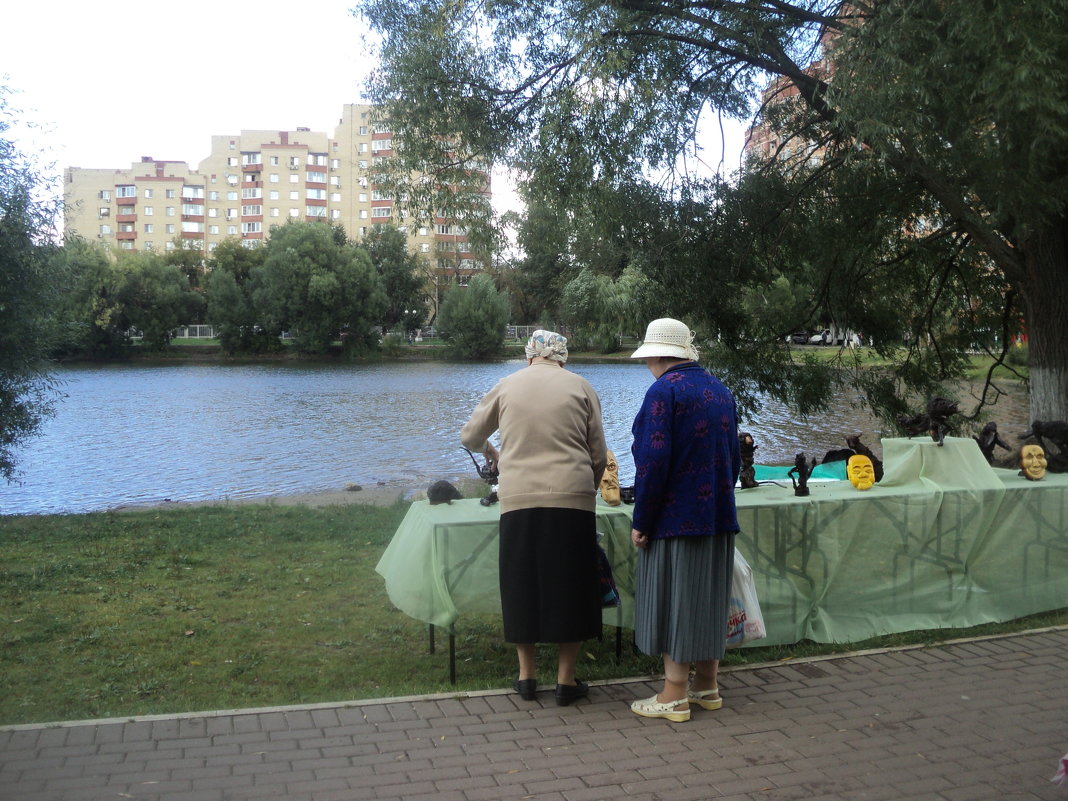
[527, 688]
[566, 693]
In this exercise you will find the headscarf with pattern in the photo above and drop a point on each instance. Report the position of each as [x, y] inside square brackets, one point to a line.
[548, 345]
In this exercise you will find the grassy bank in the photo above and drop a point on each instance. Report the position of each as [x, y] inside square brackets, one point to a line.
[191, 609]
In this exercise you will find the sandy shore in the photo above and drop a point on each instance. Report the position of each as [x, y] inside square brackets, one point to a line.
[368, 495]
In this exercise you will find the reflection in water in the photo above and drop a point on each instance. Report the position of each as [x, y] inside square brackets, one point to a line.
[132, 435]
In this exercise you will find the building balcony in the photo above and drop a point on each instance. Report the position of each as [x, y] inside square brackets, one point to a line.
[125, 201]
[126, 218]
[190, 218]
[251, 168]
[126, 236]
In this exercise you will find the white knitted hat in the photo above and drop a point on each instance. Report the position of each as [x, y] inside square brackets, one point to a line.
[667, 337]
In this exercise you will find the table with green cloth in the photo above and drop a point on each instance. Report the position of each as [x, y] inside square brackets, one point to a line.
[944, 540]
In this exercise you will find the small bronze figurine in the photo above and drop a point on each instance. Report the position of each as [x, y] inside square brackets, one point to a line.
[747, 476]
[803, 470]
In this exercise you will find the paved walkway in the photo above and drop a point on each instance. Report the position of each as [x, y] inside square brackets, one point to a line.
[977, 719]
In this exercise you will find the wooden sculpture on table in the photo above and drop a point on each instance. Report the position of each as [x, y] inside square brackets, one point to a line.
[988, 438]
[1032, 462]
[610, 482]
[747, 476]
[802, 469]
[860, 471]
[1051, 433]
[935, 421]
[863, 450]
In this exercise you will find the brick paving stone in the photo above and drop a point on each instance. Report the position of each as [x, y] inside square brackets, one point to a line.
[892, 725]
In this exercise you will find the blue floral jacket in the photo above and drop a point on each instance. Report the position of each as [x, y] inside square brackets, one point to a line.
[686, 456]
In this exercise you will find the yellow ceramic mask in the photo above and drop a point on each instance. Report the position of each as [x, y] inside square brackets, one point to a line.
[1032, 462]
[860, 471]
[610, 482]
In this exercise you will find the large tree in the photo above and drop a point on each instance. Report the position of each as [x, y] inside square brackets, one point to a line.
[403, 276]
[29, 280]
[319, 287]
[934, 201]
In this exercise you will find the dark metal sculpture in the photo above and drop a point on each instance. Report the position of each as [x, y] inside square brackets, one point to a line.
[1051, 433]
[748, 447]
[989, 438]
[934, 421]
[489, 473]
[803, 470]
[442, 492]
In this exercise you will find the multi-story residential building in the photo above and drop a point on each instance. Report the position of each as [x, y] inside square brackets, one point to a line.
[253, 181]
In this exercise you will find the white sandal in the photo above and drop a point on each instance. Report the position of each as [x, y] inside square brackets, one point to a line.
[651, 708]
[706, 699]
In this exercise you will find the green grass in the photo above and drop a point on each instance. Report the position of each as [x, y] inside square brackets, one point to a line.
[191, 609]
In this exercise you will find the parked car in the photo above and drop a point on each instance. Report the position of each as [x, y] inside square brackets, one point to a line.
[798, 337]
[822, 338]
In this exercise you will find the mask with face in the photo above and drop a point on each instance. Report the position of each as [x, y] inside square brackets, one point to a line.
[861, 472]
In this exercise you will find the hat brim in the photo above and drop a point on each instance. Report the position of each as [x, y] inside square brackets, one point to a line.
[660, 349]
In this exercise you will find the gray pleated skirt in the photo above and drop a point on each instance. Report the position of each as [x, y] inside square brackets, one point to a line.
[682, 588]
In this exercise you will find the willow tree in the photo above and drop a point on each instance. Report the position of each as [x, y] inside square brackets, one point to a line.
[936, 187]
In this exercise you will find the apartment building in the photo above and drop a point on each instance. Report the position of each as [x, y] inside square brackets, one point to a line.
[253, 181]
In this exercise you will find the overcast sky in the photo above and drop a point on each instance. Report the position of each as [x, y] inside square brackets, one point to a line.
[109, 83]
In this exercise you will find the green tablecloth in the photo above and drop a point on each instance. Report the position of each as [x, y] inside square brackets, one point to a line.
[943, 541]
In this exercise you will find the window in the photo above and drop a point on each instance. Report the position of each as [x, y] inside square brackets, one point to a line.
[105, 230]
[274, 194]
[381, 194]
[335, 164]
[170, 193]
[251, 211]
[335, 214]
[169, 246]
[213, 195]
[105, 211]
[148, 228]
[294, 212]
[274, 178]
[231, 230]
[335, 197]
[381, 211]
[231, 214]
[316, 211]
[148, 193]
[444, 229]
[294, 195]
[192, 209]
[424, 248]
[251, 193]
[274, 161]
[294, 178]
[126, 191]
[231, 195]
[126, 244]
[362, 148]
[316, 177]
[213, 229]
[251, 227]
[363, 166]
[213, 212]
[149, 246]
[335, 180]
[274, 212]
[193, 192]
[363, 214]
[422, 231]
[317, 159]
[231, 179]
[381, 144]
[363, 197]
[231, 161]
[148, 211]
[363, 130]
[315, 194]
[294, 162]
[169, 228]
[104, 194]
[170, 211]
[189, 227]
[464, 247]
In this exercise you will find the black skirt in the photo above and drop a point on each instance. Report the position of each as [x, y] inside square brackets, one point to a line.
[550, 587]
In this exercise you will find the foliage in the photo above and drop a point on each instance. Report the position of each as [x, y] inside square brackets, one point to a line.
[91, 311]
[156, 297]
[29, 279]
[473, 318]
[602, 311]
[318, 287]
[230, 304]
[919, 187]
[402, 273]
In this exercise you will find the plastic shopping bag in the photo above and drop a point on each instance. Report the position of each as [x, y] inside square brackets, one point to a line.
[744, 621]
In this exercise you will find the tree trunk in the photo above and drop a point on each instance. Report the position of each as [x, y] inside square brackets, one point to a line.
[1045, 256]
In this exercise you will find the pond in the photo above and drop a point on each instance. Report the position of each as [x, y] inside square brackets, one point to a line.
[126, 435]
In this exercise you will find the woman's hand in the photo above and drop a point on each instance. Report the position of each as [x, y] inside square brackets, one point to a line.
[492, 454]
[640, 540]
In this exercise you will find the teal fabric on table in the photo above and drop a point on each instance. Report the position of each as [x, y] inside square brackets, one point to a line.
[943, 541]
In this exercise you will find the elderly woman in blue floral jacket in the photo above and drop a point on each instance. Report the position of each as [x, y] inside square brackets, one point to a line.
[687, 460]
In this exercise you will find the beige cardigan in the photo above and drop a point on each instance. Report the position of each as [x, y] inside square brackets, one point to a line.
[552, 444]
